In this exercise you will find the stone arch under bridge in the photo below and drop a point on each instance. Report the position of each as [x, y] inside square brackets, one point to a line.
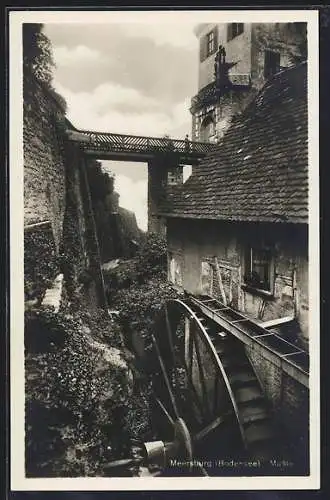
[163, 156]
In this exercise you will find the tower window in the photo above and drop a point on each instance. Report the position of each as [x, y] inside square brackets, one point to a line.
[207, 129]
[210, 43]
[272, 63]
[234, 29]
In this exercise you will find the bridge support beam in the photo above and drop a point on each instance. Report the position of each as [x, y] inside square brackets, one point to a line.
[157, 184]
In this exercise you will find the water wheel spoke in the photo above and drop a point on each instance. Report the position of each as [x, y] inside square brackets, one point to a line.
[170, 335]
[215, 395]
[171, 345]
[191, 386]
[201, 375]
[196, 384]
[166, 413]
[165, 375]
[190, 351]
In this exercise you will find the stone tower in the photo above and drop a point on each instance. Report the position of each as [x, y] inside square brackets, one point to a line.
[235, 60]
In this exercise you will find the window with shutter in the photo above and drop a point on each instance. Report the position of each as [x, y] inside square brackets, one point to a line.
[259, 268]
[272, 63]
[208, 44]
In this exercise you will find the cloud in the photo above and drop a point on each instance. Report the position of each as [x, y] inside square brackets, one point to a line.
[101, 110]
[134, 197]
[106, 98]
[160, 61]
[65, 56]
[177, 35]
[127, 78]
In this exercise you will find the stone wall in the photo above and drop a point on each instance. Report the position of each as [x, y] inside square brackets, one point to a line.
[289, 399]
[58, 232]
[44, 162]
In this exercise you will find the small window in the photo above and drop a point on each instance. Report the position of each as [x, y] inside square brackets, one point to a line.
[210, 43]
[234, 29]
[207, 128]
[272, 63]
[258, 268]
[174, 176]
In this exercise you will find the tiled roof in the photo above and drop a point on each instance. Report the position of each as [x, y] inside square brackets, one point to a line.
[259, 171]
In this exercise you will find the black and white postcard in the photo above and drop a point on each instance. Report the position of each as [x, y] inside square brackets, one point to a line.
[164, 187]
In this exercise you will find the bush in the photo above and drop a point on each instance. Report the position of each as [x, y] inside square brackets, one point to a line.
[74, 409]
[139, 306]
[152, 255]
[149, 262]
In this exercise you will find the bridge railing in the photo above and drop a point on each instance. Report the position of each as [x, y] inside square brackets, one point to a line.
[135, 143]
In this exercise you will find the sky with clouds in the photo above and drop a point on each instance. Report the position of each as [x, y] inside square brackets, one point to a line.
[129, 78]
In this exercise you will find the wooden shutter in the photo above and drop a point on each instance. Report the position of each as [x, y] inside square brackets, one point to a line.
[202, 48]
[215, 32]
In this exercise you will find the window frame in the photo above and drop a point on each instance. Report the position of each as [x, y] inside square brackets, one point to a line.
[248, 268]
[234, 30]
[210, 43]
[208, 123]
[174, 177]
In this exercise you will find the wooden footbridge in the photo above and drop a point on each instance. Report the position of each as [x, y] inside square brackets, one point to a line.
[162, 154]
[109, 146]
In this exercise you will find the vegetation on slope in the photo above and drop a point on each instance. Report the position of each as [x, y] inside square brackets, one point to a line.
[138, 289]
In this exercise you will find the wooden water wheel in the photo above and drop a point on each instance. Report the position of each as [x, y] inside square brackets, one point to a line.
[209, 407]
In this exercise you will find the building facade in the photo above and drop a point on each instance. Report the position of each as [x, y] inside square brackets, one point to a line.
[235, 61]
[246, 204]
[237, 232]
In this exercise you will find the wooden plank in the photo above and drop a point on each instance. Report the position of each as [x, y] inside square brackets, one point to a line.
[30, 227]
[210, 427]
[277, 321]
[222, 291]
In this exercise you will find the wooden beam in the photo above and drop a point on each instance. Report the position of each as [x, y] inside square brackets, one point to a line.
[222, 291]
[277, 321]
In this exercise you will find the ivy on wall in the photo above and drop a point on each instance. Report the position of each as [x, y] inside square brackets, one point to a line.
[71, 251]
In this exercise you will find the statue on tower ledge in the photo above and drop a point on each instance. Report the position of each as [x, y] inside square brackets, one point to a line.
[221, 68]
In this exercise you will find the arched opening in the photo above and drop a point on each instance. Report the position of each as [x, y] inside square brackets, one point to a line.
[207, 129]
